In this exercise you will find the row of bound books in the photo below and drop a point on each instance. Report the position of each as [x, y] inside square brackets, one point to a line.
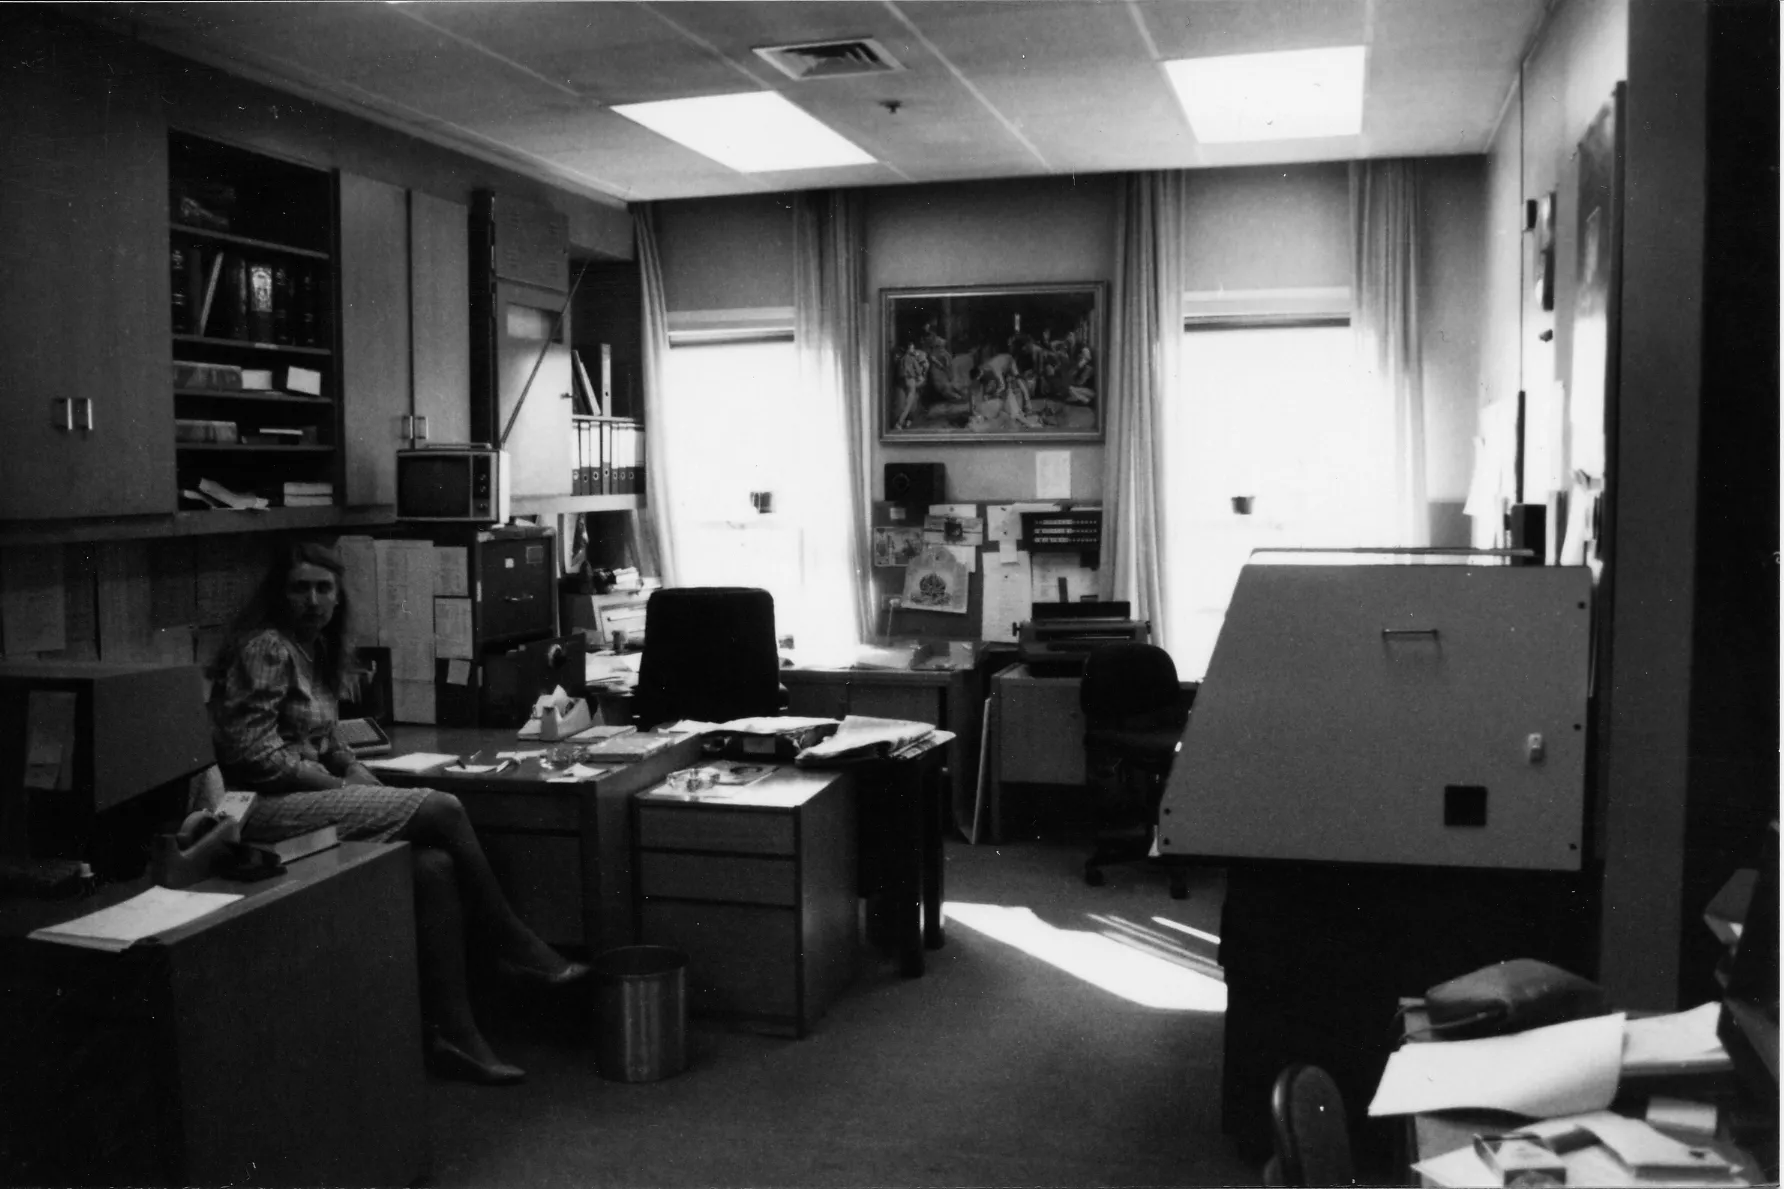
[609, 458]
[220, 293]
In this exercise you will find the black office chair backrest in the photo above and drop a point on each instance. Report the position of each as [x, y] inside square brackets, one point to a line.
[1126, 680]
[709, 654]
[1312, 1131]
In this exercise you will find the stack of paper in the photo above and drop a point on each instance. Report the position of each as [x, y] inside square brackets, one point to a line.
[1683, 1042]
[863, 737]
[1558, 1070]
[415, 761]
[123, 925]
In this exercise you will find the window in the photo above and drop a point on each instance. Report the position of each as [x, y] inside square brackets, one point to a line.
[1268, 446]
[729, 412]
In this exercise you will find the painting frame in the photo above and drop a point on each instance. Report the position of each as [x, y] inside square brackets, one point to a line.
[993, 363]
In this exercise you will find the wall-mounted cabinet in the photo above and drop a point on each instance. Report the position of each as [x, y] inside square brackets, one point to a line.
[86, 403]
[520, 341]
[251, 252]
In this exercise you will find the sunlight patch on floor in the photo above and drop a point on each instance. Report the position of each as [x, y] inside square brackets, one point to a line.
[1135, 973]
[1182, 928]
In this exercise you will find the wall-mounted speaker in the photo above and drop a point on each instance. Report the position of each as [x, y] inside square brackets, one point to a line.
[915, 484]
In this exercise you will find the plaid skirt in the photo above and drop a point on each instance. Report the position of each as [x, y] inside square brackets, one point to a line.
[359, 812]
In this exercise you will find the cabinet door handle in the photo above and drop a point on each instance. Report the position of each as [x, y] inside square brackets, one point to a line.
[62, 413]
[420, 434]
[407, 427]
[85, 421]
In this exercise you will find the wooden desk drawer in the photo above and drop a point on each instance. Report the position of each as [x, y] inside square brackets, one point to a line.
[701, 827]
[523, 811]
[718, 877]
[741, 960]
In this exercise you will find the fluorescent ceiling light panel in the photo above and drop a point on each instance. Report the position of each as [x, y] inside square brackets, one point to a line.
[1292, 95]
[755, 132]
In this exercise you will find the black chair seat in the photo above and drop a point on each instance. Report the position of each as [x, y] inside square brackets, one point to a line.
[1153, 747]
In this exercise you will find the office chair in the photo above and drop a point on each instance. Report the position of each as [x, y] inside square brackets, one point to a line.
[1311, 1130]
[709, 654]
[1134, 714]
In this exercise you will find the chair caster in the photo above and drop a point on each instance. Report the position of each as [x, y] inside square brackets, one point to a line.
[1094, 877]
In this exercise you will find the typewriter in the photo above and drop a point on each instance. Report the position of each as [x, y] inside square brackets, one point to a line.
[1059, 636]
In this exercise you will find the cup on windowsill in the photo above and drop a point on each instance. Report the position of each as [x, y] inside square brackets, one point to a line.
[762, 501]
[1242, 505]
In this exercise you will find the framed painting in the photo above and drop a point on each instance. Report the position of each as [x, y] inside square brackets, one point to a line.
[992, 363]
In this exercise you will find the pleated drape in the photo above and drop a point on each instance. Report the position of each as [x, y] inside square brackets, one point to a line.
[832, 339]
[1384, 221]
[658, 517]
[1145, 344]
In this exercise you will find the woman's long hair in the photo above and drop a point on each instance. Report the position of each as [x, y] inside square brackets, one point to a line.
[336, 659]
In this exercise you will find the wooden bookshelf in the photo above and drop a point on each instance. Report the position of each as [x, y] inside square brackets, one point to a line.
[255, 287]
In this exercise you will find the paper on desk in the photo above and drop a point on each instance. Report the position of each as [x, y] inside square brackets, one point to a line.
[415, 761]
[1595, 1165]
[1557, 1070]
[574, 773]
[118, 927]
[530, 754]
[1675, 1043]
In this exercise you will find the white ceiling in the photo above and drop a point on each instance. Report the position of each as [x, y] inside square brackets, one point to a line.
[990, 89]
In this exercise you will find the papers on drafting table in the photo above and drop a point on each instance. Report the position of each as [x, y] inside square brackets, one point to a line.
[575, 773]
[1683, 1042]
[122, 925]
[1558, 1070]
[1628, 1152]
[415, 761]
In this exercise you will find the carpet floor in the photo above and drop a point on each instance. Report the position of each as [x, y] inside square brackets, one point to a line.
[1065, 1035]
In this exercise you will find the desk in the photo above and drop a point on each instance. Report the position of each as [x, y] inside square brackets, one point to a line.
[1434, 1133]
[275, 1041]
[562, 852]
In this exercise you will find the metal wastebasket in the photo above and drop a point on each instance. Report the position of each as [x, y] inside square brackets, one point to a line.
[641, 1006]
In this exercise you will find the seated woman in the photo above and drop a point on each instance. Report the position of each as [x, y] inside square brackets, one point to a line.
[275, 686]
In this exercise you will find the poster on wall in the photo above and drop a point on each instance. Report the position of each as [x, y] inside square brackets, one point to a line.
[992, 363]
[936, 580]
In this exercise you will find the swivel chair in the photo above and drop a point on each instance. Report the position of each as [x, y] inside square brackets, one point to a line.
[1134, 714]
[1310, 1129]
[709, 655]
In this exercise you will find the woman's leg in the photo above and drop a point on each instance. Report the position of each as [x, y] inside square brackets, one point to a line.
[440, 937]
[440, 823]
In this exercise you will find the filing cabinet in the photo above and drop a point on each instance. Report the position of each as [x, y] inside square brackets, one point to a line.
[757, 887]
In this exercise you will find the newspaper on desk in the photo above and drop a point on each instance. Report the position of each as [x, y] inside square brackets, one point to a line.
[124, 924]
[861, 737]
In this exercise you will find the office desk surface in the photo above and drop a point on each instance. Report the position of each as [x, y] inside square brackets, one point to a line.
[562, 850]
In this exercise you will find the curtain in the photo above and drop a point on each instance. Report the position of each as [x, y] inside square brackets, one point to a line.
[830, 484]
[659, 531]
[1145, 342]
[1384, 221]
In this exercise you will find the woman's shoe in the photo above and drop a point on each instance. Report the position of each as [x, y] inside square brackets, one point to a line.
[448, 1060]
[532, 976]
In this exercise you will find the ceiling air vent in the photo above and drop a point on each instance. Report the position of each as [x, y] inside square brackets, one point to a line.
[830, 59]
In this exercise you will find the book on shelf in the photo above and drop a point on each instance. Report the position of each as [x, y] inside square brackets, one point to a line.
[283, 295]
[211, 377]
[309, 501]
[299, 846]
[189, 429]
[257, 379]
[584, 402]
[301, 487]
[213, 492]
[260, 303]
[210, 294]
